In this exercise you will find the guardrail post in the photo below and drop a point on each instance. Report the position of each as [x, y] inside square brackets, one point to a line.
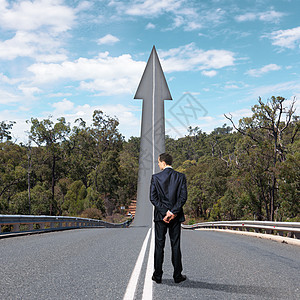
[30, 226]
[16, 227]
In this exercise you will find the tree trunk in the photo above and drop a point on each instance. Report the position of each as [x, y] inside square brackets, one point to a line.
[272, 200]
[28, 178]
[52, 185]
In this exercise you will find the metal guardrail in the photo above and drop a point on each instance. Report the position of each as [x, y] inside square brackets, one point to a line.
[29, 223]
[291, 229]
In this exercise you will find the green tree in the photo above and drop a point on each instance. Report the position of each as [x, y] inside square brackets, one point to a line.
[289, 185]
[51, 136]
[12, 174]
[264, 147]
[5, 133]
[74, 202]
[41, 199]
[108, 143]
[81, 158]
[128, 173]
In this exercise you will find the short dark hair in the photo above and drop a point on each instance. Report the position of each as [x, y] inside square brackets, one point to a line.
[166, 157]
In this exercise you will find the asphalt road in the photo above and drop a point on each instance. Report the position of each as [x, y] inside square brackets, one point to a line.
[98, 263]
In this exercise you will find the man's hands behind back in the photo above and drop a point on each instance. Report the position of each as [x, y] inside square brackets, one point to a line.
[169, 217]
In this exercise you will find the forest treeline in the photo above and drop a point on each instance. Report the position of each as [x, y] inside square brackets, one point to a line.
[249, 170]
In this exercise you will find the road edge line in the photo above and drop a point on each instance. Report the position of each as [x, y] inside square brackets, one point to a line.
[148, 283]
[275, 238]
[132, 284]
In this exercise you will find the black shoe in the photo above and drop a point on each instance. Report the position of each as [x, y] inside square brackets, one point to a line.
[180, 279]
[157, 280]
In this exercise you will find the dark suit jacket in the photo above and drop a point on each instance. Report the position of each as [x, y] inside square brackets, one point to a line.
[168, 192]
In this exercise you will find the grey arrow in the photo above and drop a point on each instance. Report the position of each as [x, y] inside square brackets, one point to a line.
[153, 89]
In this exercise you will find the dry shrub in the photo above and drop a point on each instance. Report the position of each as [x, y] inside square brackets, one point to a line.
[116, 218]
[92, 213]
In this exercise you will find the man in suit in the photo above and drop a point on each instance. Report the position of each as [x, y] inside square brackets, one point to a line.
[168, 194]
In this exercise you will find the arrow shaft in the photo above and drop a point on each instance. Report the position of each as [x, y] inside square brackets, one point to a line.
[153, 117]
[153, 89]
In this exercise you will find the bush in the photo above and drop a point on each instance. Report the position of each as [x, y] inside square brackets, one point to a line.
[92, 213]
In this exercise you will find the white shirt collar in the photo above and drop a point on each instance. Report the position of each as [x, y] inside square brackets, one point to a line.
[168, 167]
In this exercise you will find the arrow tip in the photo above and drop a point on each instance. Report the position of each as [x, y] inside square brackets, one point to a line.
[153, 70]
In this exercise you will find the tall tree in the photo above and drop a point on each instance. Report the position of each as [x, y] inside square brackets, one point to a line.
[108, 144]
[265, 145]
[81, 160]
[12, 175]
[50, 135]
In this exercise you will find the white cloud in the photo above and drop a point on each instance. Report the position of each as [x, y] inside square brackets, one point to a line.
[37, 29]
[40, 46]
[7, 80]
[150, 26]
[246, 17]
[150, 7]
[83, 5]
[231, 86]
[104, 74]
[283, 89]
[241, 113]
[32, 15]
[183, 13]
[207, 123]
[129, 122]
[108, 40]
[210, 73]
[63, 106]
[190, 26]
[212, 17]
[189, 57]
[19, 129]
[108, 75]
[268, 16]
[29, 91]
[19, 45]
[263, 70]
[192, 20]
[289, 38]
[177, 22]
[271, 16]
[59, 94]
[127, 115]
[51, 57]
[8, 97]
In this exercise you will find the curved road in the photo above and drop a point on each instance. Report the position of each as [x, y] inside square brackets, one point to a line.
[98, 263]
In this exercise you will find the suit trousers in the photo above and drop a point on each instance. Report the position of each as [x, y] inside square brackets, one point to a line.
[160, 237]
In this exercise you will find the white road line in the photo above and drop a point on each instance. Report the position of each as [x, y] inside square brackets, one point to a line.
[148, 284]
[130, 291]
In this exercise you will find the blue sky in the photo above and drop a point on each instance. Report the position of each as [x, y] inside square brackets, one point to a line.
[68, 58]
